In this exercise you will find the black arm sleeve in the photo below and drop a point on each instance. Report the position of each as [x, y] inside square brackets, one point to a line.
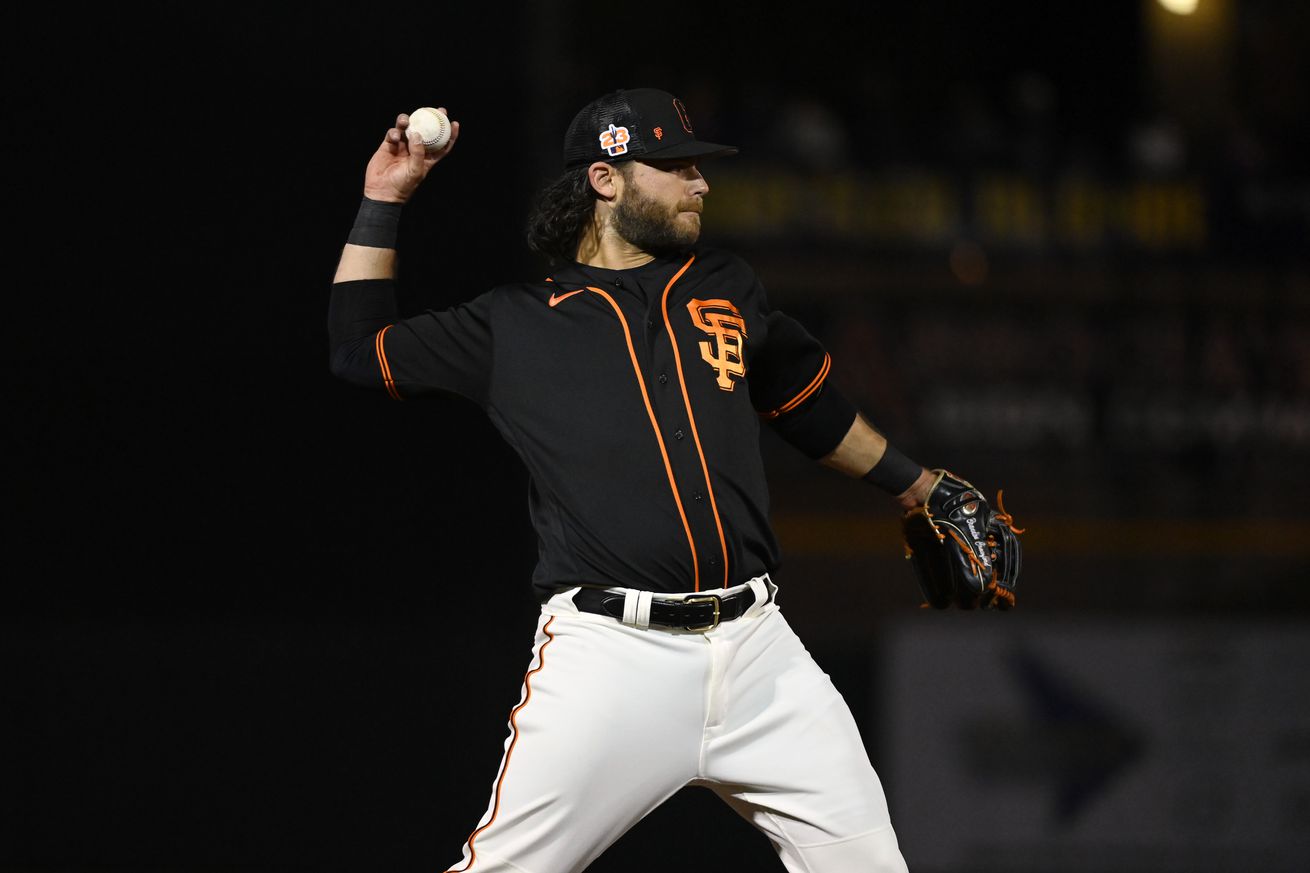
[790, 389]
[356, 312]
[819, 424]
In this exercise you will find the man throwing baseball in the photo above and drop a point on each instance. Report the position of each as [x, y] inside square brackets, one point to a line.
[633, 383]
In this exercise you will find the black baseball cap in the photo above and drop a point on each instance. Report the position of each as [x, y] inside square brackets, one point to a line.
[635, 123]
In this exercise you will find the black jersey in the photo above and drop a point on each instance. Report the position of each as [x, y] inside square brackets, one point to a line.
[634, 398]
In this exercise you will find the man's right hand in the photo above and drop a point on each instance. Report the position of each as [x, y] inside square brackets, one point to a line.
[401, 163]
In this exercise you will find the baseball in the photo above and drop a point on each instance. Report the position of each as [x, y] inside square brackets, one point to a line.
[432, 125]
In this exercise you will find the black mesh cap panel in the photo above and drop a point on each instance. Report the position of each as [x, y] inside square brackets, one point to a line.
[582, 143]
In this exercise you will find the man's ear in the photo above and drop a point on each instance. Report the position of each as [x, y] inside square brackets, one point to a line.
[605, 179]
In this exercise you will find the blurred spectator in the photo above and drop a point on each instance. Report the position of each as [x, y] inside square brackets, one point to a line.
[1034, 138]
[972, 132]
[810, 134]
[1157, 148]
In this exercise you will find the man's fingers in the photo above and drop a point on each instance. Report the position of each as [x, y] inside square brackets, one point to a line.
[417, 152]
[398, 134]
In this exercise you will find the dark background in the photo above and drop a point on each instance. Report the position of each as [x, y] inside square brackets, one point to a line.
[255, 619]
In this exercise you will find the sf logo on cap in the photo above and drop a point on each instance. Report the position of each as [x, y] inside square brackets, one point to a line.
[614, 141]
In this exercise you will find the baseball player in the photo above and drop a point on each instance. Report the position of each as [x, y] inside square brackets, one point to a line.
[633, 383]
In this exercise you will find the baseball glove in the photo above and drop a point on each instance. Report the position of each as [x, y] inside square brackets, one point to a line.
[964, 552]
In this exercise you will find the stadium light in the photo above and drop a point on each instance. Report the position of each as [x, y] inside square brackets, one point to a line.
[1180, 7]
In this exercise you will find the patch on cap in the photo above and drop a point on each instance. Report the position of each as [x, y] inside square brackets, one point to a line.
[614, 140]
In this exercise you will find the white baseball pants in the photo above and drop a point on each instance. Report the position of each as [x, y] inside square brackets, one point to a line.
[613, 720]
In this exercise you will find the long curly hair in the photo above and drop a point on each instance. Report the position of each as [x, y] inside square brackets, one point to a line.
[559, 214]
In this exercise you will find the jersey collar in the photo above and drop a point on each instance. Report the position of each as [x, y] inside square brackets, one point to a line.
[657, 270]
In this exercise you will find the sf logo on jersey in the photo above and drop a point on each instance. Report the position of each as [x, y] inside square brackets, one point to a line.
[727, 330]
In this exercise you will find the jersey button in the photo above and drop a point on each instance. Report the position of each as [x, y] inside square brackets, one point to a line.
[618, 283]
[650, 322]
[677, 435]
[698, 497]
[663, 378]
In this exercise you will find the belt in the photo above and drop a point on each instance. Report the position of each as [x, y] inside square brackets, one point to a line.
[697, 612]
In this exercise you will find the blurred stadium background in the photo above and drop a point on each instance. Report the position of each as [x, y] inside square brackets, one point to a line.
[257, 621]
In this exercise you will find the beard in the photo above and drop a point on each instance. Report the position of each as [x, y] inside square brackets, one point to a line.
[655, 228]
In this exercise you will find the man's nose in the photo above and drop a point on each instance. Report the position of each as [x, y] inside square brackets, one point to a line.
[698, 183]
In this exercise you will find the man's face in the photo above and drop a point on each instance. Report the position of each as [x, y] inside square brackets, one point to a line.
[661, 205]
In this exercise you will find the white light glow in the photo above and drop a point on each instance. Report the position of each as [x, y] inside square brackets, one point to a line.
[1180, 7]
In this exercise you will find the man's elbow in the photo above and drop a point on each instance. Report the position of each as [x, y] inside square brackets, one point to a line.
[353, 362]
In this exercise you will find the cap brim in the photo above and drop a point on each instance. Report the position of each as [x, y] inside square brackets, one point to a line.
[687, 150]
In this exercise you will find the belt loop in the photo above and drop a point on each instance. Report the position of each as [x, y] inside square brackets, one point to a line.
[636, 608]
[763, 589]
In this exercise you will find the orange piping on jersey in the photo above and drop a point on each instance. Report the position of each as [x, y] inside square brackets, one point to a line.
[514, 729]
[801, 398]
[691, 419]
[387, 381]
[668, 468]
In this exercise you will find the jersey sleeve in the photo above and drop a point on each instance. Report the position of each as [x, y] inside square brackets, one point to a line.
[445, 351]
[790, 389]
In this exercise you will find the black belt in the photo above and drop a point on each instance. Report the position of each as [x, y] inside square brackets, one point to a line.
[698, 612]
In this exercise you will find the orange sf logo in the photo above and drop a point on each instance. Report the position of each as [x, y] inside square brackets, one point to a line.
[659, 133]
[723, 351]
[615, 140]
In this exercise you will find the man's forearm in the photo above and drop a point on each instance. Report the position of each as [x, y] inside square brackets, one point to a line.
[363, 291]
[365, 262]
[862, 449]
[370, 250]
[859, 451]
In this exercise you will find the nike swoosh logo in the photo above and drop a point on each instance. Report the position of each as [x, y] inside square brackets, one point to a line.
[557, 298]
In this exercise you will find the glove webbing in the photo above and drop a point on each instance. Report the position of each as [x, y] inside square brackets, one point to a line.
[998, 592]
[1008, 520]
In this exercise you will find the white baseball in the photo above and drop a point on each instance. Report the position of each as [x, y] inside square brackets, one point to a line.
[432, 125]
